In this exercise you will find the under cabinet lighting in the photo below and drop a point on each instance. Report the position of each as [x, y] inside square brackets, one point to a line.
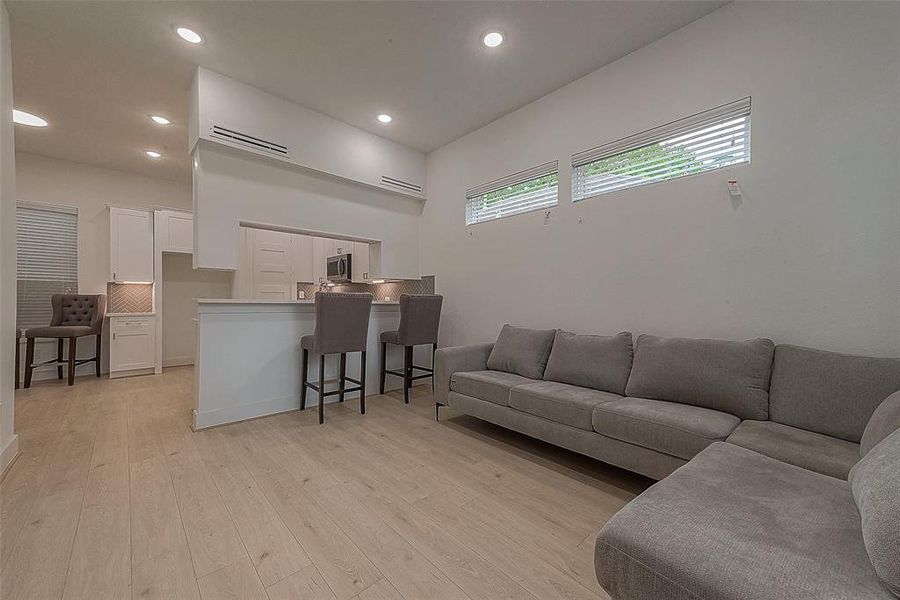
[378, 281]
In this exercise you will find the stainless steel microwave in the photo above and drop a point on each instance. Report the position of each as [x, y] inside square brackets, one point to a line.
[339, 266]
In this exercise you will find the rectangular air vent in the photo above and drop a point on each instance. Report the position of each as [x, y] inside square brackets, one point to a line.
[249, 141]
[400, 184]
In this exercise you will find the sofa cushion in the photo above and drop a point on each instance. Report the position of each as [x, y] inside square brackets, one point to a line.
[814, 451]
[681, 430]
[875, 482]
[522, 351]
[883, 422]
[733, 524]
[827, 392]
[600, 362]
[732, 377]
[492, 386]
[559, 402]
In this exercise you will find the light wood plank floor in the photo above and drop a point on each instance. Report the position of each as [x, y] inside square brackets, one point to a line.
[115, 497]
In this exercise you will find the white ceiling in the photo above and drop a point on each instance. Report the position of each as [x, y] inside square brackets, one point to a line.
[95, 70]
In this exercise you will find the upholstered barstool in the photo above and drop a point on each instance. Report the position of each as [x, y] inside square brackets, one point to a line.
[342, 326]
[74, 316]
[420, 316]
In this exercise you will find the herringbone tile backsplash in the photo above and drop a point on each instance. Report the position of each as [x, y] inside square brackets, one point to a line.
[129, 297]
[381, 291]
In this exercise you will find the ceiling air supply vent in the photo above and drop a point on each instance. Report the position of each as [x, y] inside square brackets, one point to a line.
[399, 184]
[246, 140]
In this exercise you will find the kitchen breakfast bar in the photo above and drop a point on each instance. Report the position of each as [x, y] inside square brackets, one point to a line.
[247, 362]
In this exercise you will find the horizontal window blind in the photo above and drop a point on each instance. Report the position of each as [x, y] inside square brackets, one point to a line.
[525, 191]
[709, 140]
[47, 260]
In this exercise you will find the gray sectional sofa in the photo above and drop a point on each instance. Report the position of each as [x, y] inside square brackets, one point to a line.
[753, 445]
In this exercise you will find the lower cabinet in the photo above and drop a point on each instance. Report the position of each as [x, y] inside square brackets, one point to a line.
[132, 346]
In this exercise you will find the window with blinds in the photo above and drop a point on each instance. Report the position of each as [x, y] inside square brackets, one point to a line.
[709, 140]
[532, 189]
[47, 260]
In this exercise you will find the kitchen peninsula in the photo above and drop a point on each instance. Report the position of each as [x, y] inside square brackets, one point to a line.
[247, 361]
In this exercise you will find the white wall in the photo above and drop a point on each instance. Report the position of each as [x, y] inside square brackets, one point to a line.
[181, 284]
[90, 189]
[812, 256]
[232, 186]
[8, 438]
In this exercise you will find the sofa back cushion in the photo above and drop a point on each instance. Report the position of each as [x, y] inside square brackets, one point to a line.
[600, 362]
[729, 376]
[875, 482]
[827, 392]
[884, 421]
[522, 351]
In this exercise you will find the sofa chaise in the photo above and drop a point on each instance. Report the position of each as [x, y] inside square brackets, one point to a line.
[753, 445]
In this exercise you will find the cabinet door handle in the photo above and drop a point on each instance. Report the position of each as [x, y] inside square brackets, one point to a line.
[114, 335]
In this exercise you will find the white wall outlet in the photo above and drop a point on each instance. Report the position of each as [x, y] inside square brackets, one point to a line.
[734, 190]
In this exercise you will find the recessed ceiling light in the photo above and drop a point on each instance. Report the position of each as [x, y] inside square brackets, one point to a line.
[24, 118]
[492, 39]
[153, 154]
[160, 120]
[189, 35]
[385, 118]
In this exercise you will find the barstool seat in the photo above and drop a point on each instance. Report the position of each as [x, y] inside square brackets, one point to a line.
[420, 317]
[342, 326]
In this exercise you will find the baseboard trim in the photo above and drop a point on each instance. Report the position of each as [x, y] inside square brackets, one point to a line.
[9, 455]
[178, 361]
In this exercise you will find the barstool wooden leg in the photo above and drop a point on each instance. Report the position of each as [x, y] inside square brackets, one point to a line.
[383, 367]
[98, 353]
[342, 376]
[72, 350]
[407, 372]
[304, 370]
[321, 389]
[433, 350]
[59, 358]
[362, 379]
[29, 361]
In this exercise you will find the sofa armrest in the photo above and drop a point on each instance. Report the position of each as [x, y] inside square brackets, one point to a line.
[448, 361]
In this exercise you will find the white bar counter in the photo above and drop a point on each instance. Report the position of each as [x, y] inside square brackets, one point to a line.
[247, 362]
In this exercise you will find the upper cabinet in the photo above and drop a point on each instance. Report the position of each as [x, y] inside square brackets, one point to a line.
[359, 266]
[302, 257]
[130, 245]
[175, 231]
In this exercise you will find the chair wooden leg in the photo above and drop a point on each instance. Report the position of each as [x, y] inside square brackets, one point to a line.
[98, 353]
[29, 361]
[383, 367]
[362, 379]
[321, 389]
[59, 358]
[342, 374]
[304, 369]
[72, 350]
[18, 359]
[407, 372]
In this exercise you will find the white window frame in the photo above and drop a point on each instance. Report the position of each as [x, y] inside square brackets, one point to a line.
[546, 197]
[46, 261]
[710, 140]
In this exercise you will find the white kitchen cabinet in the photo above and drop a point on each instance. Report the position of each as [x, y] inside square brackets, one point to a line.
[130, 245]
[175, 231]
[359, 264]
[132, 347]
[302, 259]
[270, 265]
[322, 249]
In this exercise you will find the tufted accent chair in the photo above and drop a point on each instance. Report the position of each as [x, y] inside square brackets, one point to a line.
[74, 316]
